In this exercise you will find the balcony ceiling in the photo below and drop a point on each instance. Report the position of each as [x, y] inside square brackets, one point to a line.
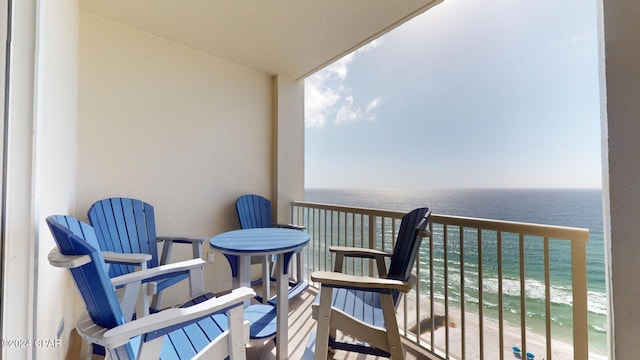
[292, 38]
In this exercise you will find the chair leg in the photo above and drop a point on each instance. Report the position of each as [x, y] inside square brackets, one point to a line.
[266, 279]
[299, 267]
[134, 298]
[236, 335]
[154, 304]
[324, 323]
[393, 333]
[333, 333]
[196, 282]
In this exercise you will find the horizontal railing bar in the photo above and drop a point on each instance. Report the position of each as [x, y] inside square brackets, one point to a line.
[551, 231]
[351, 209]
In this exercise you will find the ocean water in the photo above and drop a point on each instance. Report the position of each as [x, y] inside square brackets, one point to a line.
[574, 207]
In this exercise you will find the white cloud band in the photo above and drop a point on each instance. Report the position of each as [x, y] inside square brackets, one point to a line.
[327, 96]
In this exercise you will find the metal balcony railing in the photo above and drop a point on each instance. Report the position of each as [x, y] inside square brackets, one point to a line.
[483, 285]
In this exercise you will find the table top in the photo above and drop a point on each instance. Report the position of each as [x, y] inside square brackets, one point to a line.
[259, 241]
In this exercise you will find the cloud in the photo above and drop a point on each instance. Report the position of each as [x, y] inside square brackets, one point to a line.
[317, 99]
[373, 104]
[348, 113]
[328, 97]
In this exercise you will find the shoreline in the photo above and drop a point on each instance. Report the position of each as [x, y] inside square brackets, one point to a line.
[536, 343]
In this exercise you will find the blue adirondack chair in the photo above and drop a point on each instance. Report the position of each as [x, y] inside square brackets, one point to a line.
[206, 325]
[254, 211]
[364, 307]
[126, 231]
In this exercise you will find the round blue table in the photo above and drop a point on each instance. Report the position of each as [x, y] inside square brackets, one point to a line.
[238, 246]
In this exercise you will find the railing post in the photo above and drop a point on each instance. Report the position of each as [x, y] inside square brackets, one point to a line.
[579, 286]
[372, 240]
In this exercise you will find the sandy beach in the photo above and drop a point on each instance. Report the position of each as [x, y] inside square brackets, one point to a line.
[536, 343]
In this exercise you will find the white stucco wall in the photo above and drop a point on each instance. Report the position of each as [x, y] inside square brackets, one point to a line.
[183, 131]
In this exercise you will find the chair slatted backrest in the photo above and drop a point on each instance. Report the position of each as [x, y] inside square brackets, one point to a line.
[74, 238]
[254, 211]
[407, 245]
[125, 225]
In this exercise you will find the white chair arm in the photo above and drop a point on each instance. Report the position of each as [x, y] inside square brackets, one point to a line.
[344, 251]
[158, 271]
[67, 261]
[195, 242]
[358, 252]
[120, 335]
[359, 282]
[71, 261]
[133, 259]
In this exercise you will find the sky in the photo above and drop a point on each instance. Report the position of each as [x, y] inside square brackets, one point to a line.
[470, 94]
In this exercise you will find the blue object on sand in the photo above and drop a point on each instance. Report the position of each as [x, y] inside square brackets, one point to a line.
[516, 351]
[530, 356]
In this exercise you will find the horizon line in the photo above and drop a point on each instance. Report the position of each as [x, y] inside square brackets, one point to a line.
[446, 188]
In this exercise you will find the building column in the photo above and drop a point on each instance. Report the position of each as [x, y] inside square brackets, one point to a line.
[620, 92]
[288, 145]
[18, 276]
